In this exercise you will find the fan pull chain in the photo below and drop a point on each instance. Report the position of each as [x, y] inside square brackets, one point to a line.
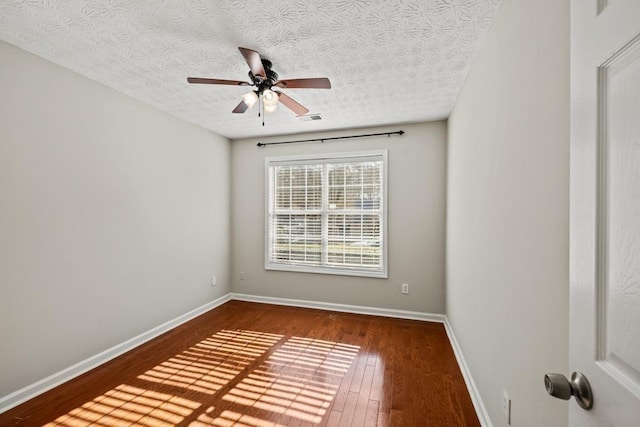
[259, 105]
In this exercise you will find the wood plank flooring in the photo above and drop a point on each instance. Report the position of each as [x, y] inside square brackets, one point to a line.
[258, 365]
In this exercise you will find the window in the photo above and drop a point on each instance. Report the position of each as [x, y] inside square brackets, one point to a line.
[327, 214]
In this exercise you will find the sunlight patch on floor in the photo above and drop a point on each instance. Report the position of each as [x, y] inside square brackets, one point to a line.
[202, 369]
[233, 419]
[127, 405]
[299, 379]
[209, 365]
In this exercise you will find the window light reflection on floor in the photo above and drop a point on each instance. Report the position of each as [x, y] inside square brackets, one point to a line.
[209, 365]
[298, 380]
[234, 419]
[204, 368]
[127, 405]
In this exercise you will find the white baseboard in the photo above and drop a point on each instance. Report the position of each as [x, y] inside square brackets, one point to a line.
[478, 404]
[356, 309]
[17, 397]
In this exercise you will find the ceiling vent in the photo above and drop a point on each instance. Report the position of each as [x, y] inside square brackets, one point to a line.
[310, 117]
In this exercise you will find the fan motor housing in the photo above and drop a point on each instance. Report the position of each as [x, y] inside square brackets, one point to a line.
[271, 77]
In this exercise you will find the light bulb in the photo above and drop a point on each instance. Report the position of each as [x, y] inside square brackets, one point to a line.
[250, 98]
[270, 98]
[270, 108]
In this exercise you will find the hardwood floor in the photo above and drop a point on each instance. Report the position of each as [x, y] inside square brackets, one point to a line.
[248, 364]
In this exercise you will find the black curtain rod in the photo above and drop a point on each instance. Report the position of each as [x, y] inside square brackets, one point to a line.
[398, 132]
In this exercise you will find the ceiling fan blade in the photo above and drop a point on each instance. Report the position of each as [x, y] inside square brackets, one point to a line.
[293, 105]
[317, 83]
[241, 108]
[253, 61]
[217, 81]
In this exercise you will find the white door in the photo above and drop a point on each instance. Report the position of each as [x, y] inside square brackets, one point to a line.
[605, 209]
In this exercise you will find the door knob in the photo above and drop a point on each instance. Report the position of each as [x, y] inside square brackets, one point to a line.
[559, 386]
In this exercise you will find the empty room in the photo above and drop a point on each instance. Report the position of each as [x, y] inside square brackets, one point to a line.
[319, 213]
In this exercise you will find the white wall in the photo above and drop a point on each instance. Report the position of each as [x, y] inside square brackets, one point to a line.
[507, 212]
[415, 222]
[113, 217]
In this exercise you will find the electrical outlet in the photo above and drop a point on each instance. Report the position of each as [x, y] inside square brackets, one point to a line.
[405, 288]
[214, 281]
[242, 275]
[506, 406]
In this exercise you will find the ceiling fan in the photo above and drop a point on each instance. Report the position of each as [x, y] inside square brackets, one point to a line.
[265, 80]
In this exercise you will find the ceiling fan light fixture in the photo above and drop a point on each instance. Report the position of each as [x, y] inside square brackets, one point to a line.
[250, 98]
[263, 78]
[269, 98]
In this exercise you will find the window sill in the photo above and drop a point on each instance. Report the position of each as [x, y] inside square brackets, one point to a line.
[326, 270]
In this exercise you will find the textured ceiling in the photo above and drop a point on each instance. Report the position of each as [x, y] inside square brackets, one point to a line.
[388, 61]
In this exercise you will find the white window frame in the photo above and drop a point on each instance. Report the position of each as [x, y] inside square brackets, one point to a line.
[326, 269]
